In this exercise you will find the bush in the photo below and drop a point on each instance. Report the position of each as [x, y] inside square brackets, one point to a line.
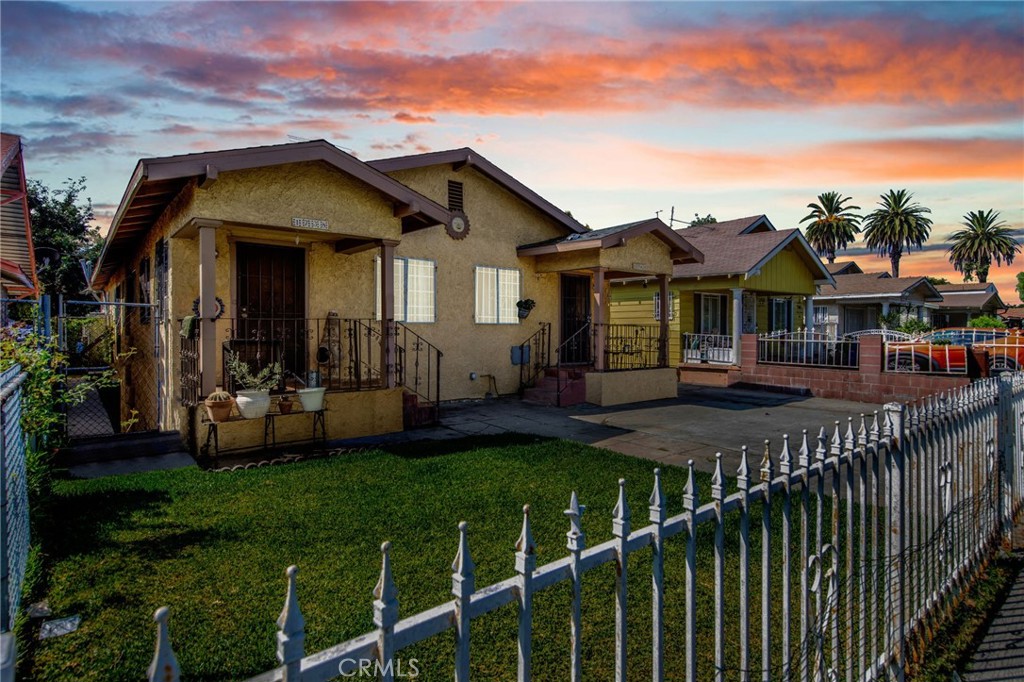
[987, 322]
[915, 327]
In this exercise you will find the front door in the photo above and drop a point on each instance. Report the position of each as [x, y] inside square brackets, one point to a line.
[576, 330]
[271, 313]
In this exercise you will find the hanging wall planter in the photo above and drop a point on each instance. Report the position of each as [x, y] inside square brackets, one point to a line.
[525, 306]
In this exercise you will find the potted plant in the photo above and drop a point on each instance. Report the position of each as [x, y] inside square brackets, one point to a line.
[285, 405]
[312, 399]
[525, 306]
[253, 399]
[218, 406]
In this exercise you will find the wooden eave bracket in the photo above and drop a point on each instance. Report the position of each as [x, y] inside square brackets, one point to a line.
[9, 197]
[405, 210]
[208, 178]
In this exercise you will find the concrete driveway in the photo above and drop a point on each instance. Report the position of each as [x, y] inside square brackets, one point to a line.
[696, 425]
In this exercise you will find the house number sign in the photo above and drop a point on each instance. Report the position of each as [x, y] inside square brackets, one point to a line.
[310, 223]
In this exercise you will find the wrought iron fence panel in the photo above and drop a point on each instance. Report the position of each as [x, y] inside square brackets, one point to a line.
[884, 520]
[808, 348]
[708, 348]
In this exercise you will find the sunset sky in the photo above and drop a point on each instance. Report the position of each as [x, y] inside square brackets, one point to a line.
[611, 110]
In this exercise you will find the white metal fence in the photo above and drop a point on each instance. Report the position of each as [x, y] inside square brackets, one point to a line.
[14, 524]
[884, 523]
[709, 348]
[809, 348]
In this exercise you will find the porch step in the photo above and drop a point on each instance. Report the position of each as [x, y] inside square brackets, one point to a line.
[417, 414]
[115, 447]
[574, 390]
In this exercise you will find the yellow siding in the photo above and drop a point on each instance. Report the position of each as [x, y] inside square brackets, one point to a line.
[786, 273]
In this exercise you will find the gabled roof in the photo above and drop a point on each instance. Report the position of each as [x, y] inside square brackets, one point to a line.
[16, 247]
[460, 158]
[872, 285]
[681, 250]
[156, 181]
[973, 295]
[743, 247]
[844, 268]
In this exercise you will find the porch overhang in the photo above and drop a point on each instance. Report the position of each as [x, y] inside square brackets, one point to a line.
[157, 181]
[343, 243]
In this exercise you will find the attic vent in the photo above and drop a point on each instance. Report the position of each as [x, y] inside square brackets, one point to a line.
[455, 196]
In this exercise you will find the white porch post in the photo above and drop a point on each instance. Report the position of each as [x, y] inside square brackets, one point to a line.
[600, 331]
[737, 324]
[809, 313]
[387, 313]
[208, 305]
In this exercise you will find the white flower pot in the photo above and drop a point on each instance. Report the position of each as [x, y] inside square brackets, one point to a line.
[312, 399]
[252, 404]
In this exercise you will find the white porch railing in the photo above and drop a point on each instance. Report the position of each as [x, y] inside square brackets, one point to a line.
[708, 348]
[888, 520]
[810, 348]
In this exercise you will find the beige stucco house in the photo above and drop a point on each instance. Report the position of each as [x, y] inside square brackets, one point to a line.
[395, 283]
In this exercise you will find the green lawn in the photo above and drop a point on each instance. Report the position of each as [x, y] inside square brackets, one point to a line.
[213, 547]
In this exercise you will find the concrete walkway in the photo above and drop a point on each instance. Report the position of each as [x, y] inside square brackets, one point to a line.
[697, 424]
[1000, 656]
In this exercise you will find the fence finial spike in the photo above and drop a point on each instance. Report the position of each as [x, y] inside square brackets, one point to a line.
[849, 439]
[657, 500]
[743, 473]
[164, 667]
[290, 624]
[819, 452]
[690, 492]
[718, 479]
[525, 544]
[837, 441]
[621, 514]
[574, 512]
[385, 590]
[873, 433]
[786, 457]
[862, 431]
[804, 453]
[463, 567]
[767, 466]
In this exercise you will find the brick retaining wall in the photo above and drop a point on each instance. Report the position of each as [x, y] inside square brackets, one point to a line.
[868, 384]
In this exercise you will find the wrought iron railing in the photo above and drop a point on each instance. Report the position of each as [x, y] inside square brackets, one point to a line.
[191, 386]
[707, 348]
[808, 348]
[534, 354]
[571, 353]
[631, 346]
[418, 366]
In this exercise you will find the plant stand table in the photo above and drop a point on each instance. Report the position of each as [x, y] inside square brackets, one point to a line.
[270, 425]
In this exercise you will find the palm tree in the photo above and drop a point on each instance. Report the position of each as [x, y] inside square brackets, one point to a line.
[896, 225]
[834, 226]
[984, 239]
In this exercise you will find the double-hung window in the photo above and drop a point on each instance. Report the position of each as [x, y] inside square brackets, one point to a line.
[414, 289]
[497, 291]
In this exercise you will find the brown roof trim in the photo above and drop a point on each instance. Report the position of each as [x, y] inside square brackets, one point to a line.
[681, 250]
[460, 158]
[15, 201]
[167, 172]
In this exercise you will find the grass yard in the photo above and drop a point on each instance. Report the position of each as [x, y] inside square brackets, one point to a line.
[213, 547]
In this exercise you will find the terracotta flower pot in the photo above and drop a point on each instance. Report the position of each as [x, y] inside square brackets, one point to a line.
[219, 410]
[285, 406]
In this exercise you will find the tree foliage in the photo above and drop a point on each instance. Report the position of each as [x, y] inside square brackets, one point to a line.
[935, 281]
[61, 221]
[706, 220]
[984, 239]
[834, 225]
[986, 322]
[896, 225]
[1020, 286]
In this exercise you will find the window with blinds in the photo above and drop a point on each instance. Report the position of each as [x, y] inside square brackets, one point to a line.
[414, 289]
[497, 291]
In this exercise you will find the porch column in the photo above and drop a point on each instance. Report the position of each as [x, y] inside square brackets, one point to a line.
[809, 313]
[737, 324]
[208, 306]
[663, 317]
[387, 313]
[600, 332]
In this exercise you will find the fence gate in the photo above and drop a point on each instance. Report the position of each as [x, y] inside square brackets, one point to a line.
[115, 347]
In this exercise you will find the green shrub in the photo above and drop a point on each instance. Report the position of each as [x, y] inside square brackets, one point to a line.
[987, 322]
[915, 327]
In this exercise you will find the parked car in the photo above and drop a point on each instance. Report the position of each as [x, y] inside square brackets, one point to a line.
[947, 350]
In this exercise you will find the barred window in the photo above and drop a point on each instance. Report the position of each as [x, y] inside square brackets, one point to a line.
[497, 291]
[671, 305]
[414, 289]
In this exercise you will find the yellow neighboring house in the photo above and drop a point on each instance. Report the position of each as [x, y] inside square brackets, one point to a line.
[394, 284]
[754, 279]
